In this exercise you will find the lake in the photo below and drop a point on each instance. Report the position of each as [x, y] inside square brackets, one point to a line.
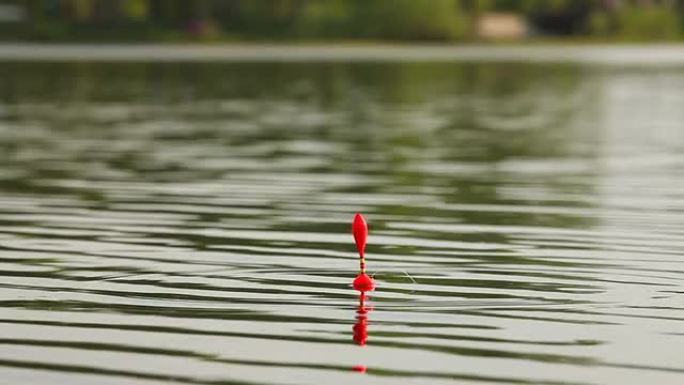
[189, 221]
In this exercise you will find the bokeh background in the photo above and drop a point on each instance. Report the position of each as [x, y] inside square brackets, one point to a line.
[320, 20]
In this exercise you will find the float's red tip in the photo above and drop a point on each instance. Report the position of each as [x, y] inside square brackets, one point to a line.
[359, 368]
[363, 283]
[360, 231]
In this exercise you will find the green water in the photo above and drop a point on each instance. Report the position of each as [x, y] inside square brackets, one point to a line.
[190, 222]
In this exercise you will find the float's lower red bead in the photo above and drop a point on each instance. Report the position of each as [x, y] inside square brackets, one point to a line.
[363, 282]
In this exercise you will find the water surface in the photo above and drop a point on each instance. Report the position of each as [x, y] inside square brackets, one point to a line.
[190, 222]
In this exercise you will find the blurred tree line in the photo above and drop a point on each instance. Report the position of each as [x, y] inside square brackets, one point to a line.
[429, 20]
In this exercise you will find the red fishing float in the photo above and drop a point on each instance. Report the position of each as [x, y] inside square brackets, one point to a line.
[362, 282]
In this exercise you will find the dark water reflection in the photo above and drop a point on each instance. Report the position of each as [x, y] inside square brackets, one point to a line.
[190, 223]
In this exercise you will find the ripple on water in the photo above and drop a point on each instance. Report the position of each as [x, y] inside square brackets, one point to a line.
[524, 224]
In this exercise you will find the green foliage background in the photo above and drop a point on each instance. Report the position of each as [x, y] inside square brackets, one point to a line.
[315, 20]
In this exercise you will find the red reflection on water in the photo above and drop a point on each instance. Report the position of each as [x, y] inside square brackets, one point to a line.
[361, 326]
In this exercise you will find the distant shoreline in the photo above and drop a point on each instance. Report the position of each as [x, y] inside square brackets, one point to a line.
[602, 54]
